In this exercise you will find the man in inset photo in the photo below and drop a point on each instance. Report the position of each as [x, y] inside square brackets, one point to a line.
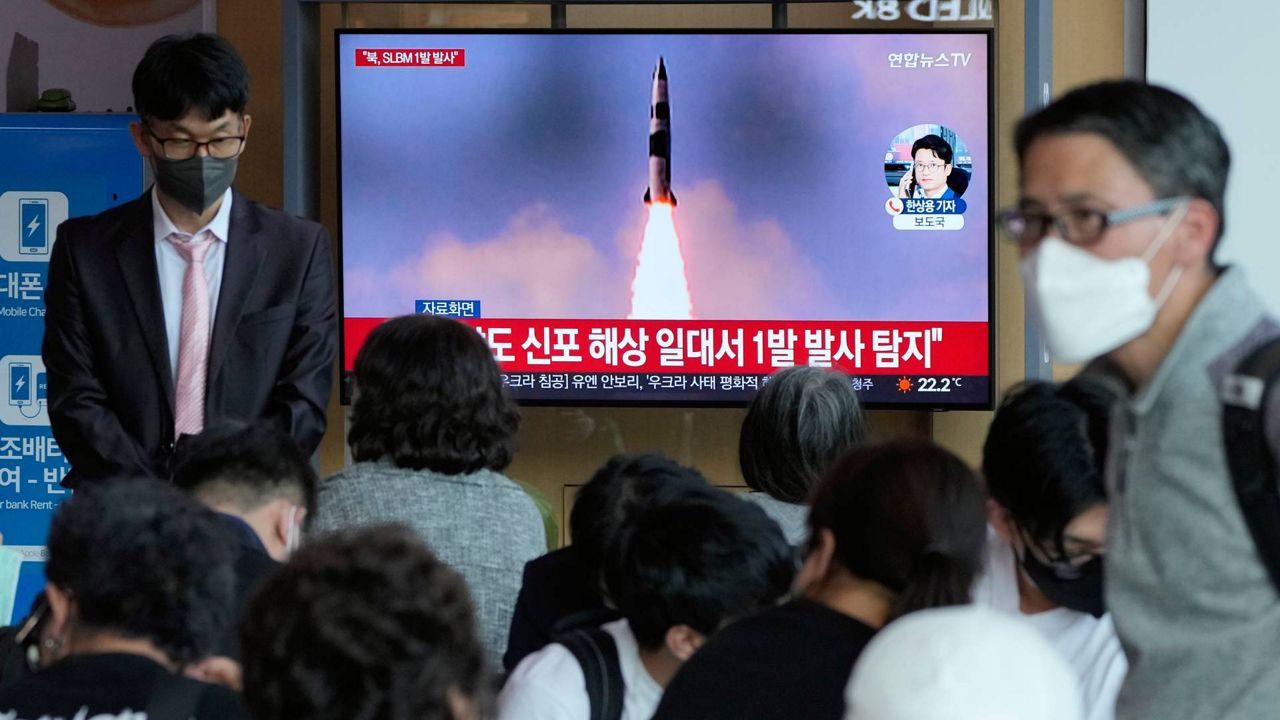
[931, 171]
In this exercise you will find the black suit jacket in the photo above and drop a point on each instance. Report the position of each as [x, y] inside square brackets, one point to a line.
[559, 593]
[110, 388]
[253, 568]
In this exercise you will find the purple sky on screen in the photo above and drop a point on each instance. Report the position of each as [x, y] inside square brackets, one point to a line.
[517, 180]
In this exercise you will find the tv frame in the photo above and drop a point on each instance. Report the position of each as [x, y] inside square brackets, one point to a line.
[344, 380]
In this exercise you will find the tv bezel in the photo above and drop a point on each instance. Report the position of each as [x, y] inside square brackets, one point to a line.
[989, 34]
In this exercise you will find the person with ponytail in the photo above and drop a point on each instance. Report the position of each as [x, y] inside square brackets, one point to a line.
[893, 528]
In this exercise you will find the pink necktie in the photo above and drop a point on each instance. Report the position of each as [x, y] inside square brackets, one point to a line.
[193, 343]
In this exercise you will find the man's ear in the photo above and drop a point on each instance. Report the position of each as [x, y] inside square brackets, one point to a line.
[59, 612]
[139, 136]
[1194, 238]
[1000, 520]
[683, 641]
[282, 521]
[817, 563]
[246, 120]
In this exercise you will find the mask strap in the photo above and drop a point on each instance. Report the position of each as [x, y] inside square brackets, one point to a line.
[1169, 284]
[1175, 273]
[1166, 232]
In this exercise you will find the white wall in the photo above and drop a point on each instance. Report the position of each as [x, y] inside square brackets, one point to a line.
[94, 62]
[1223, 55]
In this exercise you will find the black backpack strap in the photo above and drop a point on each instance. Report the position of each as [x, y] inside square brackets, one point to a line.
[597, 653]
[1253, 467]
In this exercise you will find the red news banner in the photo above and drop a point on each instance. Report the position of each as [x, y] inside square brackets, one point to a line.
[411, 57]
[721, 346]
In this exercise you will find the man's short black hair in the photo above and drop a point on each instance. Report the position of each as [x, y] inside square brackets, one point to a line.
[195, 72]
[614, 492]
[244, 465]
[1044, 454]
[697, 556]
[428, 394]
[907, 514]
[1164, 136]
[800, 421]
[364, 623]
[143, 560]
[940, 147]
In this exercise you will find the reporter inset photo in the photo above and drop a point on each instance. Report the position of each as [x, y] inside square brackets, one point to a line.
[928, 161]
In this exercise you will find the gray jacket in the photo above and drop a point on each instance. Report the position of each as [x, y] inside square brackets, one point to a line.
[1194, 608]
[482, 524]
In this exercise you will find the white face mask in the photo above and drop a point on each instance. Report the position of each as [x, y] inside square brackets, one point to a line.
[1088, 305]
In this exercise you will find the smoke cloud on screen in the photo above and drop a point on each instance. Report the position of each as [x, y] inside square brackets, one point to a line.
[738, 268]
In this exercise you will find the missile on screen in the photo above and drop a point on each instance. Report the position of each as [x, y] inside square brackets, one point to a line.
[659, 189]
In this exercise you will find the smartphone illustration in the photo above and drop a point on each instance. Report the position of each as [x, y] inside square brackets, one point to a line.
[42, 389]
[34, 221]
[20, 384]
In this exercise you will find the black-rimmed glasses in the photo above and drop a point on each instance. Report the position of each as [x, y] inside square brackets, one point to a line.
[184, 148]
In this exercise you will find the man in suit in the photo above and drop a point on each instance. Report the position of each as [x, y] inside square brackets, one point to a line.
[262, 488]
[190, 304]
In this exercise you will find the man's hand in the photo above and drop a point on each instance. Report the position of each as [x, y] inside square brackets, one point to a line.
[904, 185]
[219, 670]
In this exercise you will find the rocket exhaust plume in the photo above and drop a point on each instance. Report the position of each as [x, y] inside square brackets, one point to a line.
[660, 289]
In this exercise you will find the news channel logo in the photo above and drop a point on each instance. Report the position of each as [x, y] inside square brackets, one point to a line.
[26, 392]
[28, 219]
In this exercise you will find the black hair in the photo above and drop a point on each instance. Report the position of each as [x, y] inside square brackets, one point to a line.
[246, 465]
[940, 147]
[1164, 136]
[365, 623]
[800, 421]
[143, 560]
[613, 493]
[429, 395]
[696, 556]
[906, 514]
[195, 72]
[1044, 454]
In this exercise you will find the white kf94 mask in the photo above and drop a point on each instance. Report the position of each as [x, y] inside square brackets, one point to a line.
[1087, 305]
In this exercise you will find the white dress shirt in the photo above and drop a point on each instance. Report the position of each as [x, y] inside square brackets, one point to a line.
[550, 684]
[171, 267]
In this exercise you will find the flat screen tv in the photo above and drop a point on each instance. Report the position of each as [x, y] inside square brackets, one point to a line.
[669, 217]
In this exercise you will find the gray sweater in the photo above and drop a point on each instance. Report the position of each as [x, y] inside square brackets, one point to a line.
[793, 518]
[482, 524]
[1193, 605]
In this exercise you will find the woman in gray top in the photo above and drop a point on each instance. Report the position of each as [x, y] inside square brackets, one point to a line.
[800, 422]
[431, 430]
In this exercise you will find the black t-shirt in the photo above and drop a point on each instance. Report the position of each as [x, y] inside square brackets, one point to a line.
[118, 686]
[789, 662]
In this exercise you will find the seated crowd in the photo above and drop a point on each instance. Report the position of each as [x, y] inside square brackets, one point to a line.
[676, 598]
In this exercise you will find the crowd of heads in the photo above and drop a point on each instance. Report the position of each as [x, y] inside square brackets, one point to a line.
[370, 623]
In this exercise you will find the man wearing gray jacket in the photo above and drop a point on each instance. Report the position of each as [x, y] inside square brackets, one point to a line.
[1120, 210]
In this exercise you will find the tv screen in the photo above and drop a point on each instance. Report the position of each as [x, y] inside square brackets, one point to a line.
[670, 217]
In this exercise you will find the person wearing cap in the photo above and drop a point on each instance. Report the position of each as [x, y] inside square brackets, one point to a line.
[961, 663]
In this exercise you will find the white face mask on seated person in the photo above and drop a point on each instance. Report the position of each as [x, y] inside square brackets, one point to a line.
[1088, 305]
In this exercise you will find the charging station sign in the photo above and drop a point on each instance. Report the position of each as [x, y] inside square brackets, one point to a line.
[55, 166]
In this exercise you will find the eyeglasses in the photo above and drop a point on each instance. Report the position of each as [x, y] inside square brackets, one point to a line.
[1067, 567]
[183, 148]
[1079, 226]
[930, 166]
